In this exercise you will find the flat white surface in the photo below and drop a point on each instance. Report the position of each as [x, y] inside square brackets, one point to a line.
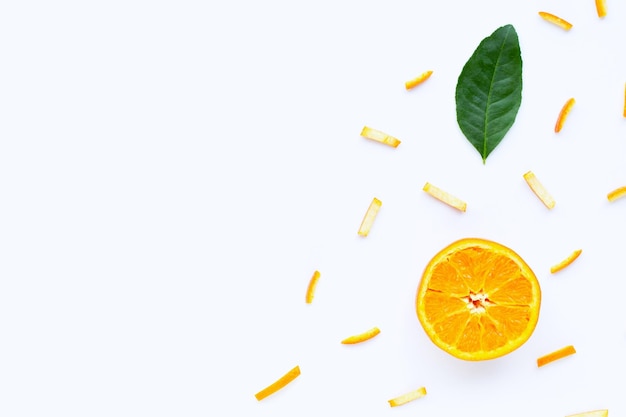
[172, 173]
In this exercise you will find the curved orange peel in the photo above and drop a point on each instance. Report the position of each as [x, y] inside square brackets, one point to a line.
[409, 396]
[566, 262]
[556, 355]
[445, 197]
[379, 136]
[539, 190]
[601, 7]
[616, 193]
[362, 337]
[418, 80]
[594, 413]
[565, 110]
[279, 383]
[310, 291]
[560, 22]
[370, 216]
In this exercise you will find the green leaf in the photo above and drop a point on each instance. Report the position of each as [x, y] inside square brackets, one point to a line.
[489, 90]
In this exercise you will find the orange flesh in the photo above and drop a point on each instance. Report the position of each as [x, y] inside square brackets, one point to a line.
[379, 136]
[374, 331]
[562, 23]
[310, 291]
[601, 7]
[478, 300]
[566, 262]
[539, 190]
[417, 80]
[278, 384]
[556, 355]
[565, 110]
[370, 216]
[616, 193]
[408, 397]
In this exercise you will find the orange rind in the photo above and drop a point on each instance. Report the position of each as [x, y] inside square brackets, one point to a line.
[370, 216]
[601, 8]
[379, 136]
[310, 291]
[445, 197]
[278, 384]
[566, 262]
[554, 19]
[361, 337]
[418, 80]
[594, 413]
[565, 110]
[616, 193]
[556, 355]
[539, 190]
[408, 397]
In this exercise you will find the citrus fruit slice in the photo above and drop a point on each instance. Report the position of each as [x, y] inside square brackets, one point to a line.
[478, 299]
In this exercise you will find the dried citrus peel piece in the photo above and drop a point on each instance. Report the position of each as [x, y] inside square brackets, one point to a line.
[379, 136]
[445, 197]
[418, 80]
[601, 7]
[409, 396]
[616, 193]
[556, 355]
[539, 190]
[562, 23]
[310, 291]
[278, 384]
[565, 110]
[362, 337]
[566, 262]
[594, 413]
[370, 216]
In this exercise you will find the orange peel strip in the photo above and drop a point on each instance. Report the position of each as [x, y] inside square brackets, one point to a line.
[379, 136]
[445, 197]
[539, 190]
[310, 291]
[594, 413]
[566, 262]
[616, 193]
[601, 7]
[409, 396]
[565, 110]
[418, 80]
[562, 23]
[556, 355]
[279, 383]
[358, 338]
[370, 216]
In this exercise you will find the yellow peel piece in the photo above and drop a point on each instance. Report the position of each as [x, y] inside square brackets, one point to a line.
[566, 262]
[565, 110]
[616, 193]
[418, 80]
[539, 190]
[310, 291]
[562, 23]
[556, 355]
[601, 7]
[379, 136]
[445, 197]
[278, 384]
[362, 337]
[370, 216]
[409, 396]
[594, 413]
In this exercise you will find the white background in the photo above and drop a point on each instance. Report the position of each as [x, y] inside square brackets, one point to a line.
[172, 173]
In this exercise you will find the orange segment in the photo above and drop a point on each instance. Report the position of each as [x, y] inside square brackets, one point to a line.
[370, 216]
[478, 299]
[445, 197]
[594, 413]
[408, 397]
[562, 23]
[601, 7]
[310, 291]
[616, 193]
[539, 190]
[378, 136]
[278, 384]
[418, 80]
[556, 355]
[362, 337]
[565, 110]
[566, 262]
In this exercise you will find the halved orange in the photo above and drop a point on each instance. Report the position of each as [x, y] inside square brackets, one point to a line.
[478, 299]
